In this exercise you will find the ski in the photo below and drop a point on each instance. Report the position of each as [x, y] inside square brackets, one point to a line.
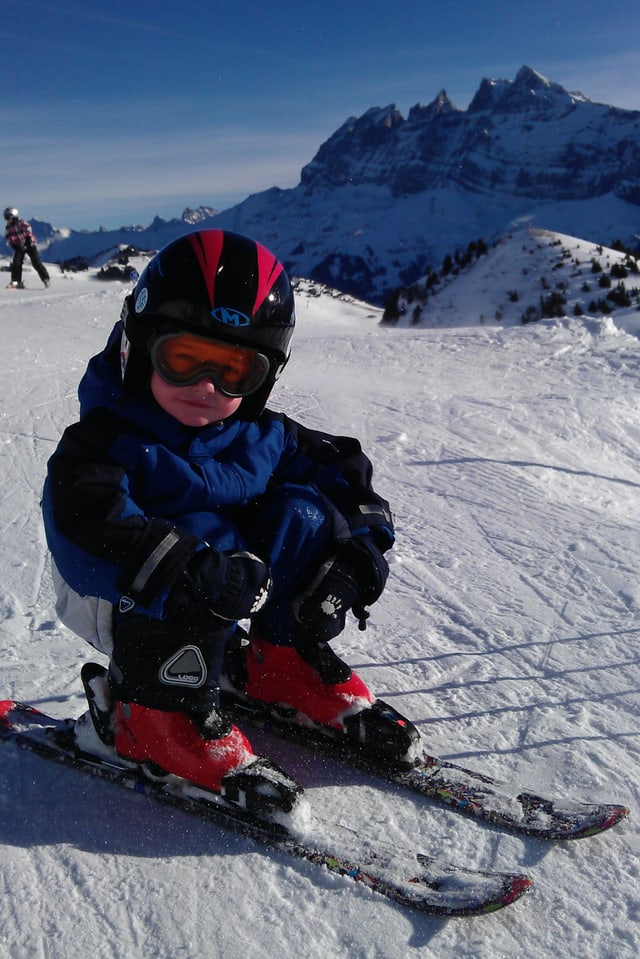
[472, 792]
[429, 885]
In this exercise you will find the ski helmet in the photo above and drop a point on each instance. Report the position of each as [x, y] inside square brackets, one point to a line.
[11, 213]
[218, 285]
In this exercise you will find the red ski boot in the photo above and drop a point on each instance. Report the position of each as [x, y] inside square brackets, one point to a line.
[173, 743]
[278, 674]
[207, 751]
[275, 681]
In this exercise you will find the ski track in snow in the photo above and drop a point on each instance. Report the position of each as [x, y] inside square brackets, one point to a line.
[510, 632]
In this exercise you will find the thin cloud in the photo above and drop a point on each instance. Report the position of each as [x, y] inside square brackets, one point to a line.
[131, 173]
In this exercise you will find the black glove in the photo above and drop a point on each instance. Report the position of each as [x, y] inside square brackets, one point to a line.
[232, 585]
[353, 578]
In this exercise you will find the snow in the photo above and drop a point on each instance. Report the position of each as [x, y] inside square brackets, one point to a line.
[509, 633]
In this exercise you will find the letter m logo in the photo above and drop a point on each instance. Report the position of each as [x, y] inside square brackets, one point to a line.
[230, 317]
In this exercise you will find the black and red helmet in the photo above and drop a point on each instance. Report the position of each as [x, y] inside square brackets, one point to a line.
[219, 285]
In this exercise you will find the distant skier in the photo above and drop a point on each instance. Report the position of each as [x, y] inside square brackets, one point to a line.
[20, 238]
[183, 502]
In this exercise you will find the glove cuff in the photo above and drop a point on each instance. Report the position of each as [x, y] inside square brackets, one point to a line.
[239, 590]
[370, 568]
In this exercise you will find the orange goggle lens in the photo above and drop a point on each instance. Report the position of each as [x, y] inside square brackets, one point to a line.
[182, 359]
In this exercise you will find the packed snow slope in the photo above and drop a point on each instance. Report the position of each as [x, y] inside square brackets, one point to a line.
[510, 632]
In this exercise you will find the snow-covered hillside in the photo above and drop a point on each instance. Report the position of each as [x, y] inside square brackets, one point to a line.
[510, 632]
[529, 274]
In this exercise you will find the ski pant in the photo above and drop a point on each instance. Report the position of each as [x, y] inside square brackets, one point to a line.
[175, 663]
[18, 259]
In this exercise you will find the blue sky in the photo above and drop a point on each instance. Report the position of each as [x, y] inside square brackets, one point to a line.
[113, 112]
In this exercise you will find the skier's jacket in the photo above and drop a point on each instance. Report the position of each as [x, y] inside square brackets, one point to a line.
[19, 235]
[125, 478]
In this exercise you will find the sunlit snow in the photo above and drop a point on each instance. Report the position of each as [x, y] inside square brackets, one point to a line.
[510, 632]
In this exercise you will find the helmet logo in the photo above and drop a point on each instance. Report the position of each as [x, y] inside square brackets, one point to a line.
[141, 300]
[230, 317]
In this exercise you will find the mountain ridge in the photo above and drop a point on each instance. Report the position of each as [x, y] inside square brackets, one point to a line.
[385, 198]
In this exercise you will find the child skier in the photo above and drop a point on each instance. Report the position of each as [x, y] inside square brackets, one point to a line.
[178, 505]
[20, 238]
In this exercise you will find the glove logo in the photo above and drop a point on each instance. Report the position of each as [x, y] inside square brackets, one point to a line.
[185, 668]
[331, 605]
[126, 604]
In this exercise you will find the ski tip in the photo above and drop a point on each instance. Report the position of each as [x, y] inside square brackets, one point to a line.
[469, 892]
[600, 820]
[518, 887]
[614, 814]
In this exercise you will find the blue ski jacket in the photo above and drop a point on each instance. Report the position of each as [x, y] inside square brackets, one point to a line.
[127, 482]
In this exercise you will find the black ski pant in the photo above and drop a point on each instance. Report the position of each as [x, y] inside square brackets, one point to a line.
[34, 256]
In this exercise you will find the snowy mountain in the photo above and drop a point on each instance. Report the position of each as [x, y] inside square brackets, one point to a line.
[386, 198]
[94, 248]
[509, 632]
[530, 138]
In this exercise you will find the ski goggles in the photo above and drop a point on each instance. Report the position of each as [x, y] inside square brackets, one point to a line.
[182, 359]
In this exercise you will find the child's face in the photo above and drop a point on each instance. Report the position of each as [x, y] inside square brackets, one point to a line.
[199, 404]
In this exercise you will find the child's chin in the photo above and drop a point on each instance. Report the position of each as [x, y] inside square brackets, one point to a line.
[198, 421]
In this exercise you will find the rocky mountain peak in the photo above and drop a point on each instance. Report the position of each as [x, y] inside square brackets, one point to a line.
[198, 215]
